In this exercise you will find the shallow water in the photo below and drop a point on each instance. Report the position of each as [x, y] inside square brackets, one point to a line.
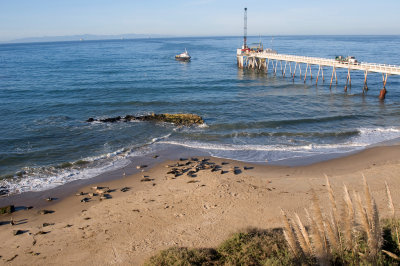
[48, 90]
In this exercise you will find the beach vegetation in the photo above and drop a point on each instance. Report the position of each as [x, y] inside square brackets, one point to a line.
[249, 247]
[348, 232]
[353, 234]
[184, 256]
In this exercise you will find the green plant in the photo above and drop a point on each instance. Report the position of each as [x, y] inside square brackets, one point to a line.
[183, 257]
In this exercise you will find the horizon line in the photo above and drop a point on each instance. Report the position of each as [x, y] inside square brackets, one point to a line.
[108, 37]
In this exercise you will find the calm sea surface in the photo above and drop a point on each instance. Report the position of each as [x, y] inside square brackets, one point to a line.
[48, 90]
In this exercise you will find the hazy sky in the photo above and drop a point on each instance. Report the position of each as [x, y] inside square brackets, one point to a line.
[35, 18]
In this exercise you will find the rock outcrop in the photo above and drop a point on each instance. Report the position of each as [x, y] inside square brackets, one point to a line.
[177, 119]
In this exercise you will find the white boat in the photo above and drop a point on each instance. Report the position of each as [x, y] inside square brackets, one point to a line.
[183, 56]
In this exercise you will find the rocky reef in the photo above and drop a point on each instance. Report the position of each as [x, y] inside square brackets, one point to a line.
[177, 119]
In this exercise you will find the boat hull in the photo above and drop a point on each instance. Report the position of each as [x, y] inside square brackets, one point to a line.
[179, 58]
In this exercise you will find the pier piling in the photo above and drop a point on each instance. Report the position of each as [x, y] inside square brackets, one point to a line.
[319, 70]
[365, 88]
[261, 60]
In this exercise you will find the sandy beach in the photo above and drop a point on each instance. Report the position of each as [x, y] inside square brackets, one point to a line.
[156, 210]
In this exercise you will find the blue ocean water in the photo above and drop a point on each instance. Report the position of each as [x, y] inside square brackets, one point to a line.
[48, 90]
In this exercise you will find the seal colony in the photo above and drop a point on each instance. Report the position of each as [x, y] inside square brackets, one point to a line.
[177, 119]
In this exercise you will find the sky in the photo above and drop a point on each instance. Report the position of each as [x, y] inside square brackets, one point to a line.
[37, 18]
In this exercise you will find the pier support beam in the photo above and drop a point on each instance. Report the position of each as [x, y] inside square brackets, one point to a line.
[319, 70]
[240, 61]
[333, 74]
[323, 78]
[310, 73]
[284, 71]
[294, 72]
[384, 79]
[382, 93]
[365, 88]
[347, 80]
[300, 70]
[305, 74]
[336, 77]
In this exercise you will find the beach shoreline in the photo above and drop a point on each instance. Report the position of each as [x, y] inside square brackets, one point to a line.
[158, 211]
[153, 158]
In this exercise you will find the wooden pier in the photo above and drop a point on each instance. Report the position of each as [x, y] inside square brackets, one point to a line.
[292, 64]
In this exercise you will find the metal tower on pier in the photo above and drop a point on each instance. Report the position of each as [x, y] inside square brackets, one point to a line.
[245, 29]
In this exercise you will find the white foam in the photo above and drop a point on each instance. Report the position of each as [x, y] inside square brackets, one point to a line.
[160, 138]
[43, 179]
[39, 182]
[204, 125]
[260, 153]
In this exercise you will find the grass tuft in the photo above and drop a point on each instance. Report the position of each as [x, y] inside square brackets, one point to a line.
[184, 256]
[251, 247]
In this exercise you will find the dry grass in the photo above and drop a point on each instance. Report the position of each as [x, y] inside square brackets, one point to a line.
[354, 237]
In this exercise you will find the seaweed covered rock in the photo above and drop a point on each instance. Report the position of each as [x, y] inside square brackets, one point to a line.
[7, 209]
[177, 119]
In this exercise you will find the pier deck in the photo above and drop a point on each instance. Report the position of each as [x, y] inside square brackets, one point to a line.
[262, 60]
[370, 67]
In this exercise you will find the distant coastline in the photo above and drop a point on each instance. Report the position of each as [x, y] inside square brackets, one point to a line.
[84, 37]
[94, 37]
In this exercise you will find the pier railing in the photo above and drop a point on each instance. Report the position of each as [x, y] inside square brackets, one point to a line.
[370, 67]
[262, 60]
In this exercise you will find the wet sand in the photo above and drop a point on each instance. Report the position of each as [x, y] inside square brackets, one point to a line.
[158, 210]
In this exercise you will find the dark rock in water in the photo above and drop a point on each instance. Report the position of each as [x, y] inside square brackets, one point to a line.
[7, 209]
[112, 119]
[3, 191]
[128, 118]
[177, 119]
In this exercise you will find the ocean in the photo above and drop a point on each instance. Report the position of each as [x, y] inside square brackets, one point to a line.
[49, 90]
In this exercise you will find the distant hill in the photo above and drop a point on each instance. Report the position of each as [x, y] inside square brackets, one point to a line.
[86, 37]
